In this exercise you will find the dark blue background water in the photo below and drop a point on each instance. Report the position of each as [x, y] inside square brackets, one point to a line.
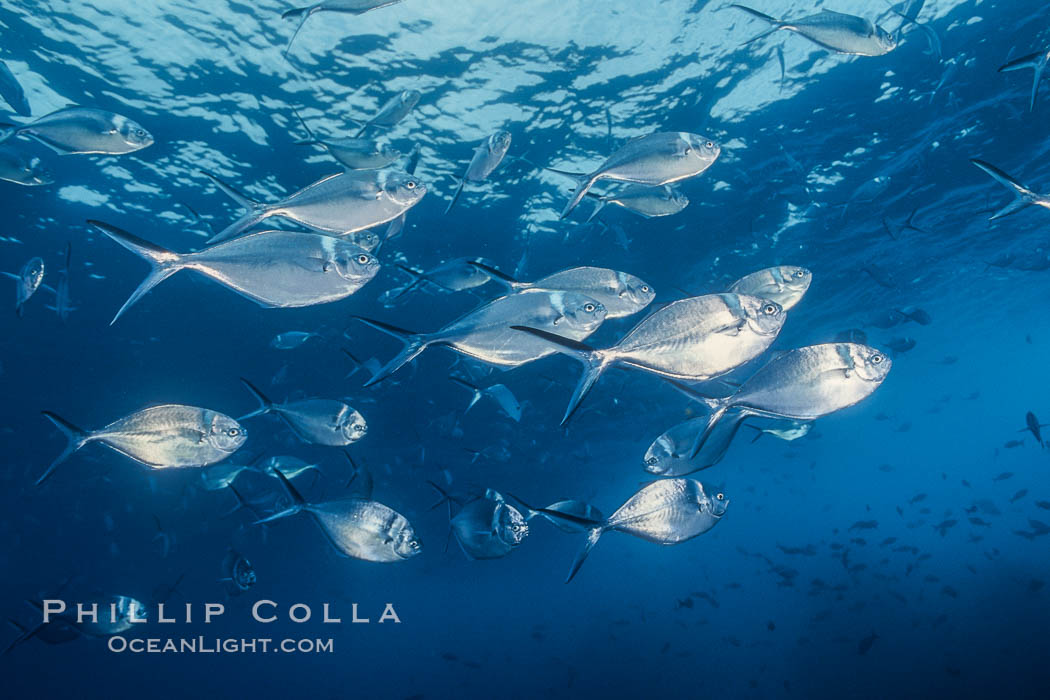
[958, 613]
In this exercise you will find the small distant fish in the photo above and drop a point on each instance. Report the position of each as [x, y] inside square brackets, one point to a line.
[1019, 495]
[487, 158]
[1010, 444]
[1033, 426]
[865, 644]
[316, 421]
[353, 153]
[238, 573]
[901, 345]
[498, 393]
[20, 169]
[81, 130]
[290, 340]
[27, 281]
[1003, 476]
[394, 110]
[1037, 62]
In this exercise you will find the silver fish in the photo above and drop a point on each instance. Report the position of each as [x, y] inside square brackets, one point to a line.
[77, 130]
[698, 338]
[620, 293]
[277, 269]
[221, 476]
[12, 91]
[16, 167]
[784, 284]
[487, 158]
[657, 159]
[115, 614]
[369, 240]
[498, 393]
[1023, 196]
[835, 31]
[357, 527]
[160, 437]
[291, 339]
[671, 454]
[63, 304]
[316, 421]
[237, 573]
[27, 281]
[1037, 62]
[803, 384]
[647, 202]
[351, 7]
[485, 333]
[338, 204]
[668, 511]
[456, 275]
[393, 111]
[353, 154]
[486, 527]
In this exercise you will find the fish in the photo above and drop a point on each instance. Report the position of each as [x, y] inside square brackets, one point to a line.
[497, 392]
[784, 284]
[697, 339]
[83, 130]
[668, 511]
[290, 340]
[647, 202]
[485, 333]
[238, 573]
[359, 528]
[900, 345]
[791, 430]
[656, 159]
[352, 154]
[486, 527]
[487, 158]
[275, 269]
[12, 92]
[671, 453]
[456, 275]
[116, 614]
[160, 437]
[352, 7]
[220, 476]
[865, 644]
[393, 110]
[315, 421]
[1023, 196]
[17, 168]
[1037, 62]
[801, 384]
[1032, 425]
[621, 294]
[337, 204]
[27, 281]
[835, 31]
[63, 305]
[578, 509]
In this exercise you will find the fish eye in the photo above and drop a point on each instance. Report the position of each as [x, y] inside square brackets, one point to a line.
[645, 289]
[363, 259]
[876, 359]
[589, 308]
[799, 274]
[710, 144]
[140, 132]
[720, 496]
[411, 184]
[233, 432]
[651, 461]
[769, 309]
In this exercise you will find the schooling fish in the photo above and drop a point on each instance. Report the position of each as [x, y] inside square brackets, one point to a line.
[78, 130]
[276, 269]
[498, 393]
[290, 340]
[486, 332]
[169, 435]
[1037, 62]
[237, 573]
[351, 7]
[620, 293]
[486, 527]
[393, 111]
[580, 511]
[220, 476]
[338, 204]
[456, 275]
[487, 158]
[317, 421]
[698, 338]
[20, 169]
[668, 511]
[1032, 425]
[802, 384]
[784, 284]
[1023, 196]
[657, 159]
[836, 31]
[63, 304]
[647, 202]
[671, 454]
[12, 92]
[353, 154]
[357, 527]
[27, 281]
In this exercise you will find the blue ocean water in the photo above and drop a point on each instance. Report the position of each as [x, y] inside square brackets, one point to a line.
[896, 550]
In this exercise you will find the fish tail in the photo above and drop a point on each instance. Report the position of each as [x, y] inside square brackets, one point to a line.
[165, 263]
[594, 363]
[76, 438]
[265, 405]
[310, 139]
[418, 278]
[597, 207]
[1029, 61]
[7, 131]
[257, 211]
[476, 391]
[713, 420]
[303, 12]
[299, 503]
[583, 185]
[415, 343]
[455, 196]
[592, 539]
[777, 24]
[495, 275]
[445, 499]
[1023, 197]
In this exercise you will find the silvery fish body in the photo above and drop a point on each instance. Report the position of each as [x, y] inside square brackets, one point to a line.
[317, 421]
[12, 91]
[489, 527]
[366, 529]
[238, 572]
[648, 202]
[621, 294]
[836, 31]
[114, 615]
[656, 159]
[360, 154]
[456, 275]
[338, 204]
[27, 281]
[396, 108]
[671, 453]
[16, 167]
[78, 130]
[488, 156]
[784, 284]
[277, 269]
